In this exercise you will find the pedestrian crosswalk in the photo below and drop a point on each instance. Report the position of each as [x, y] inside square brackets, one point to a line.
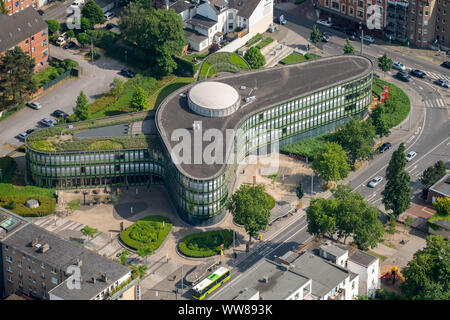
[435, 103]
[59, 224]
[435, 76]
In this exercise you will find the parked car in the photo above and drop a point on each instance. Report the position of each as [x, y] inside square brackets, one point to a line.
[70, 45]
[446, 64]
[325, 37]
[61, 40]
[338, 28]
[417, 73]
[323, 22]
[59, 113]
[411, 155]
[398, 66]
[127, 73]
[29, 131]
[110, 25]
[35, 105]
[368, 38]
[22, 136]
[77, 3]
[47, 122]
[351, 33]
[109, 15]
[384, 147]
[442, 83]
[375, 181]
[401, 75]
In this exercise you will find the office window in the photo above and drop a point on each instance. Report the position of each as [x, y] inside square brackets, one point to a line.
[54, 280]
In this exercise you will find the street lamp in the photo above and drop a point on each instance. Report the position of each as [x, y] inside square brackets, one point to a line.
[362, 36]
[84, 196]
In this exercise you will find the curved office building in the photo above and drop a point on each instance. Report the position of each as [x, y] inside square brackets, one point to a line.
[173, 146]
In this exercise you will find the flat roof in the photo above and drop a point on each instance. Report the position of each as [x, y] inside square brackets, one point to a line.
[274, 86]
[10, 223]
[334, 250]
[442, 186]
[362, 258]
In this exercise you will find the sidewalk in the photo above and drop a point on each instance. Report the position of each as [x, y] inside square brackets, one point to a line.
[426, 54]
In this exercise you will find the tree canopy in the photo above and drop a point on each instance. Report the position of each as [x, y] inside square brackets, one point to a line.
[427, 275]
[140, 100]
[250, 206]
[81, 109]
[316, 35]
[53, 26]
[431, 175]
[385, 63]
[320, 216]
[255, 58]
[158, 35]
[348, 48]
[397, 192]
[93, 12]
[378, 118]
[16, 77]
[331, 163]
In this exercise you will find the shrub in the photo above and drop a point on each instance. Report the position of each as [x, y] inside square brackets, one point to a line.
[307, 147]
[205, 244]
[147, 231]
[184, 67]
[17, 205]
[7, 165]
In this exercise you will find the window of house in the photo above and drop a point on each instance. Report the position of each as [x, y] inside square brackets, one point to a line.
[54, 280]
[360, 3]
[8, 258]
[360, 13]
[343, 8]
[351, 10]
[335, 5]
[6, 248]
[53, 270]
[10, 279]
[9, 269]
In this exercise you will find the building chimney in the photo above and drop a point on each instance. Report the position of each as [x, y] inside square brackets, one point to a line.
[45, 248]
[34, 242]
[79, 262]
[104, 277]
[94, 280]
[266, 279]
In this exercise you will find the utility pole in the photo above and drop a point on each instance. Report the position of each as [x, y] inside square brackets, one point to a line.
[362, 37]
[92, 50]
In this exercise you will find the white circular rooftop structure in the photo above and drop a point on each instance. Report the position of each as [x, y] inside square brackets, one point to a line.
[213, 99]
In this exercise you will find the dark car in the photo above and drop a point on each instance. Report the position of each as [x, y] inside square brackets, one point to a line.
[417, 73]
[403, 76]
[325, 37]
[385, 146]
[109, 26]
[443, 83]
[59, 113]
[29, 131]
[127, 73]
[338, 28]
[446, 64]
[351, 33]
[70, 45]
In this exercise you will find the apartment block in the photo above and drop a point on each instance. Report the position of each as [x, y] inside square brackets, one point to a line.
[15, 6]
[41, 265]
[27, 30]
[397, 20]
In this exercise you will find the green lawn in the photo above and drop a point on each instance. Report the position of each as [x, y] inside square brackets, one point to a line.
[149, 231]
[312, 56]
[307, 147]
[254, 40]
[294, 57]
[264, 43]
[167, 88]
[222, 61]
[237, 60]
[205, 244]
[379, 256]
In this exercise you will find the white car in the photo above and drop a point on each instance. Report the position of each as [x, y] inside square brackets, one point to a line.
[369, 38]
[323, 22]
[375, 181]
[398, 66]
[109, 15]
[23, 136]
[77, 3]
[47, 122]
[35, 105]
[410, 156]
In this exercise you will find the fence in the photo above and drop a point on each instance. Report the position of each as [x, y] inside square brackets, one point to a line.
[56, 80]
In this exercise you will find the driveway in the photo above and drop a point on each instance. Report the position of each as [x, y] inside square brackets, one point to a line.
[94, 81]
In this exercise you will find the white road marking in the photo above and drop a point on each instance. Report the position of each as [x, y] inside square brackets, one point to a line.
[410, 139]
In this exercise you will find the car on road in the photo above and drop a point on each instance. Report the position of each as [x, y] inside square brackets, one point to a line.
[398, 66]
[411, 155]
[384, 147]
[323, 22]
[442, 83]
[59, 113]
[401, 75]
[446, 64]
[22, 136]
[351, 33]
[375, 181]
[368, 38]
[109, 15]
[35, 105]
[127, 73]
[77, 3]
[70, 45]
[47, 122]
[338, 28]
[417, 73]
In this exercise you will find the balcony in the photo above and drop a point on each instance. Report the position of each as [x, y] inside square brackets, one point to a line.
[115, 294]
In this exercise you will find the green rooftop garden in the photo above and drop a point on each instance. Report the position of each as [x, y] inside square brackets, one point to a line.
[222, 62]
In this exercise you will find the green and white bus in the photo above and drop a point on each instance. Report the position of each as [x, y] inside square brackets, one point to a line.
[210, 283]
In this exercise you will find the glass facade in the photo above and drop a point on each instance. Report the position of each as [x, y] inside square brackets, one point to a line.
[200, 201]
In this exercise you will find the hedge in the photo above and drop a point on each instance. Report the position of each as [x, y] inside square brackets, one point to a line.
[307, 147]
[205, 244]
[147, 231]
[8, 165]
[185, 68]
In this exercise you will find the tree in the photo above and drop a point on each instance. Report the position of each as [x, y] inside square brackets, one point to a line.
[320, 216]
[348, 48]
[53, 26]
[392, 224]
[70, 34]
[356, 138]
[250, 207]
[123, 256]
[316, 35]
[442, 206]
[378, 118]
[433, 291]
[16, 77]
[144, 251]
[93, 12]
[299, 191]
[431, 175]
[331, 163]
[140, 269]
[83, 38]
[255, 58]
[89, 232]
[157, 34]
[3, 9]
[368, 230]
[85, 24]
[385, 63]
[140, 100]
[116, 87]
[429, 269]
[81, 109]
[397, 192]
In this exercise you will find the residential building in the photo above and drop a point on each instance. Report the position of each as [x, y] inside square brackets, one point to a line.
[209, 21]
[397, 20]
[352, 12]
[15, 6]
[356, 261]
[440, 189]
[27, 30]
[42, 265]
[306, 99]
